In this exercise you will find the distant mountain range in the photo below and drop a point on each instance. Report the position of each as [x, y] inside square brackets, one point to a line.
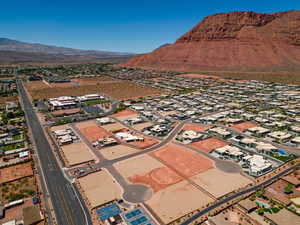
[233, 41]
[13, 51]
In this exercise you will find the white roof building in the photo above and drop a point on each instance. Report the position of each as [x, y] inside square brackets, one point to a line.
[128, 137]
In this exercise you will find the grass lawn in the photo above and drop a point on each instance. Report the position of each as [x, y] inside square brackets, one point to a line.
[17, 137]
[18, 189]
[95, 102]
[284, 158]
[12, 146]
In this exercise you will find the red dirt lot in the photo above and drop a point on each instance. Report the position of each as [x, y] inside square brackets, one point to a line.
[196, 127]
[182, 160]
[93, 133]
[126, 112]
[209, 144]
[148, 142]
[157, 179]
[15, 172]
[243, 126]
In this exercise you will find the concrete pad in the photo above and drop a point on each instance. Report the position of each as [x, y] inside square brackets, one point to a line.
[77, 153]
[117, 151]
[100, 188]
[219, 183]
[177, 200]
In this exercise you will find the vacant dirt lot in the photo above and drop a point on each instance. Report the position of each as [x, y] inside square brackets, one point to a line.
[177, 200]
[77, 153]
[36, 85]
[94, 80]
[209, 144]
[138, 165]
[117, 151]
[92, 131]
[3, 100]
[117, 90]
[100, 188]
[141, 126]
[66, 111]
[127, 113]
[114, 127]
[244, 126]
[60, 127]
[182, 160]
[219, 183]
[15, 172]
[157, 179]
[196, 127]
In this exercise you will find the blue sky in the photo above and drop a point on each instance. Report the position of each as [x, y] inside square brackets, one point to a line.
[116, 25]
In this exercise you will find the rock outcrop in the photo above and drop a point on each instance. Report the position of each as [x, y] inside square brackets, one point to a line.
[232, 41]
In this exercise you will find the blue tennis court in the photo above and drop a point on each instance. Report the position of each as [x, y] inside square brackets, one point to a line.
[137, 217]
[108, 211]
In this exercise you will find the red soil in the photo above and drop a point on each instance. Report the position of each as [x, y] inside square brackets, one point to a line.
[197, 128]
[15, 172]
[126, 112]
[93, 133]
[148, 142]
[209, 144]
[185, 162]
[157, 179]
[243, 126]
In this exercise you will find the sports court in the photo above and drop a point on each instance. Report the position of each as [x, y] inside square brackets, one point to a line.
[92, 131]
[177, 200]
[136, 217]
[219, 183]
[77, 153]
[182, 160]
[209, 144]
[99, 188]
[243, 126]
[108, 211]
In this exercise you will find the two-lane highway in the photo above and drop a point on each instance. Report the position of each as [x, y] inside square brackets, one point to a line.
[67, 203]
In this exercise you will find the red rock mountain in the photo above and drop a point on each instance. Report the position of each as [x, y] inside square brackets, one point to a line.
[232, 41]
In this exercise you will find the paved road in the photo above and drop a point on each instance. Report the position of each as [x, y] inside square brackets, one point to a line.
[236, 195]
[67, 203]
